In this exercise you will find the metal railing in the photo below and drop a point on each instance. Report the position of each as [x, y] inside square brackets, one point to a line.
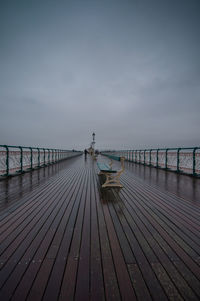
[18, 159]
[180, 160]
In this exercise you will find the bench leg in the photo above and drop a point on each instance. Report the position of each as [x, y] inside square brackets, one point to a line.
[112, 180]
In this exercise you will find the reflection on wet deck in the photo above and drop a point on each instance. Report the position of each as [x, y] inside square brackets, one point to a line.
[182, 185]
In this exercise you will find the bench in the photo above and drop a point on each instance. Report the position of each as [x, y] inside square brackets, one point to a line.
[112, 176]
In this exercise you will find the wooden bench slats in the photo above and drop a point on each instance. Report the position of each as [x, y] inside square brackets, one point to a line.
[105, 167]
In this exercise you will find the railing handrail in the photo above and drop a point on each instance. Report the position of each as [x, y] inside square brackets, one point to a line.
[148, 149]
[40, 148]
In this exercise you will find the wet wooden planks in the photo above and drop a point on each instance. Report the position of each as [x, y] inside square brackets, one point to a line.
[69, 240]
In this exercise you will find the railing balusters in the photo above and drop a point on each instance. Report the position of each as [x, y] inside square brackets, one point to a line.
[23, 160]
[165, 161]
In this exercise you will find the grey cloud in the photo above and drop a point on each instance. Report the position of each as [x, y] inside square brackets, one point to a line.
[128, 70]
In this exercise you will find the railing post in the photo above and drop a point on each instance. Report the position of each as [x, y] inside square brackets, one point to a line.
[21, 159]
[53, 150]
[48, 156]
[166, 158]
[31, 157]
[194, 161]
[56, 153]
[51, 156]
[144, 156]
[7, 159]
[44, 156]
[178, 159]
[157, 158]
[140, 156]
[150, 157]
[38, 157]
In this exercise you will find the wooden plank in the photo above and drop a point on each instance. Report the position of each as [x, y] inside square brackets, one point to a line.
[139, 284]
[20, 268]
[125, 284]
[83, 283]
[19, 215]
[167, 206]
[25, 202]
[192, 235]
[120, 231]
[18, 235]
[63, 232]
[150, 278]
[110, 279]
[18, 187]
[48, 242]
[182, 204]
[166, 272]
[97, 291]
[193, 280]
[63, 255]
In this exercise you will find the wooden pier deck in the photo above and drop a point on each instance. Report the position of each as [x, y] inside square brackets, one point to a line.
[63, 238]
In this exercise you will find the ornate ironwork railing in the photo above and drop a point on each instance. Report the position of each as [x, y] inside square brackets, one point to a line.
[181, 160]
[18, 159]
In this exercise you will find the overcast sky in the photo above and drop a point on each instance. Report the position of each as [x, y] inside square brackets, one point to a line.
[129, 70]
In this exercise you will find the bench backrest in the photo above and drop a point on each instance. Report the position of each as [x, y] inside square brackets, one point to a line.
[114, 157]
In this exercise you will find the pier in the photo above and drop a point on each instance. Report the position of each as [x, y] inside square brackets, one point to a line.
[65, 238]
